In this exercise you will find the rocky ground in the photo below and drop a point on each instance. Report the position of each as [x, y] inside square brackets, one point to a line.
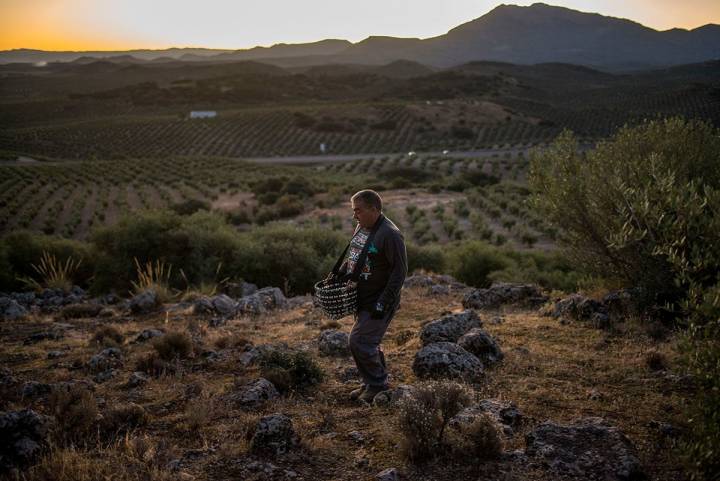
[575, 389]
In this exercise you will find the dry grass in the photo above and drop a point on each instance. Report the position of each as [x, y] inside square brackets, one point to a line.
[548, 371]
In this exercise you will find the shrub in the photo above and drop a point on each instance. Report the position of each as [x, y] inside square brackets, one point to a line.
[21, 250]
[429, 258]
[75, 410]
[425, 414]
[153, 365]
[641, 207]
[107, 336]
[478, 440]
[155, 277]
[123, 418]
[289, 257]
[195, 245]
[472, 263]
[290, 370]
[173, 345]
[190, 206]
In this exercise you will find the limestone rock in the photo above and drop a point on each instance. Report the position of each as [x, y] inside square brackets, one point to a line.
[447, 360]
[333, 343]
[589, 448]
[449, 327]
[482, 344]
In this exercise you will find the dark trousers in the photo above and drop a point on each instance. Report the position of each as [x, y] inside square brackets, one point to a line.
[364, 344]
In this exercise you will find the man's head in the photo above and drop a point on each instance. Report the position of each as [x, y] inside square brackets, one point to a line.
[366, 206]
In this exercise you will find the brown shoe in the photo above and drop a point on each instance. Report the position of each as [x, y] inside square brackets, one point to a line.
[371, 392]
[356, 393]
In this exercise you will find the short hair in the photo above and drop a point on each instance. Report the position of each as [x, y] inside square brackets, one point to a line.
[369, 197]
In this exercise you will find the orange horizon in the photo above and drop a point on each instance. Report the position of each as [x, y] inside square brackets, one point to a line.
[81, 26]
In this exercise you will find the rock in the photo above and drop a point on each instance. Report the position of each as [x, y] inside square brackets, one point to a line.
[254, 394]
[393, 396]
[505, 414]
[220, 304]
[137, 379]
[55, 354]
[595, 395]
[447, 360]
[504, 293]
[78, 311]
[35, 389]
[621, 303]
[107, 359]
[272, 297]
[299, 301]
[389, 474]
[250, 305]
[578, 307]
[357, 437]
[348, 374]
[25, 436]
[482, 345]
[274, 434]
[449, 327]
[253, 353]
[589, 448]
[51, 335]
[144, 302]
[148, 334]
[217, 322]
[203, 305]
[104, 376]
[242, 289]
[106, 313]
[11, 310]
[333, 343]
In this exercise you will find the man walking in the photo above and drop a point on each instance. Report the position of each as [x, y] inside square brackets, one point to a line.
[381, 279]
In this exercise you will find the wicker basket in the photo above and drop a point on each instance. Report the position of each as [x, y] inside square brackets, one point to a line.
[335, 299]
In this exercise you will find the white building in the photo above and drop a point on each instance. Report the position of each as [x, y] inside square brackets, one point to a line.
[203, 114]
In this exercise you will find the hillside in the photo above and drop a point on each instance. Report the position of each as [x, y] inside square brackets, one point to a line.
[194, 418]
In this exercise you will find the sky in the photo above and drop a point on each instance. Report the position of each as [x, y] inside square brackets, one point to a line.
[234, 24]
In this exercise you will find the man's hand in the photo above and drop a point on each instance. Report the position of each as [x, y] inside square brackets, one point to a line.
[378, 311]
[351, 284]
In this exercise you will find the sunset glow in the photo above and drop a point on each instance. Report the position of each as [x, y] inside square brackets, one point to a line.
[129, 24]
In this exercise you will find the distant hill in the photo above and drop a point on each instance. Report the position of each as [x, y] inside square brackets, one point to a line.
[536, 34]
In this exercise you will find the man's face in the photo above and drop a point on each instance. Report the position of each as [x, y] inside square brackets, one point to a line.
[365, 215]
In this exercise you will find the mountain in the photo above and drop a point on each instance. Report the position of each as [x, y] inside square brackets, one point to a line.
[543, 33]
[536, 34]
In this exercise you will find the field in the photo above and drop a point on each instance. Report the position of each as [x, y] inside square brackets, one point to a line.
[71, 198]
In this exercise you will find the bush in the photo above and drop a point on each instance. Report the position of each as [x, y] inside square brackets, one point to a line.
[429, 258]
[472, 263]
[122, 419]
[425, 414]
[190, 206]
[173, 345]
[20, 250]
[193, 245]
[290, 370]
[75, 410]
[479, 440]
[639, 207]
[289, 257]
[107, 336]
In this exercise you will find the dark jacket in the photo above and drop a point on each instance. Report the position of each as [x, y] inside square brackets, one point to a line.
[387, 261]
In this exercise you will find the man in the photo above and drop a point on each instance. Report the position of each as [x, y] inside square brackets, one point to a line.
[381, 279]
